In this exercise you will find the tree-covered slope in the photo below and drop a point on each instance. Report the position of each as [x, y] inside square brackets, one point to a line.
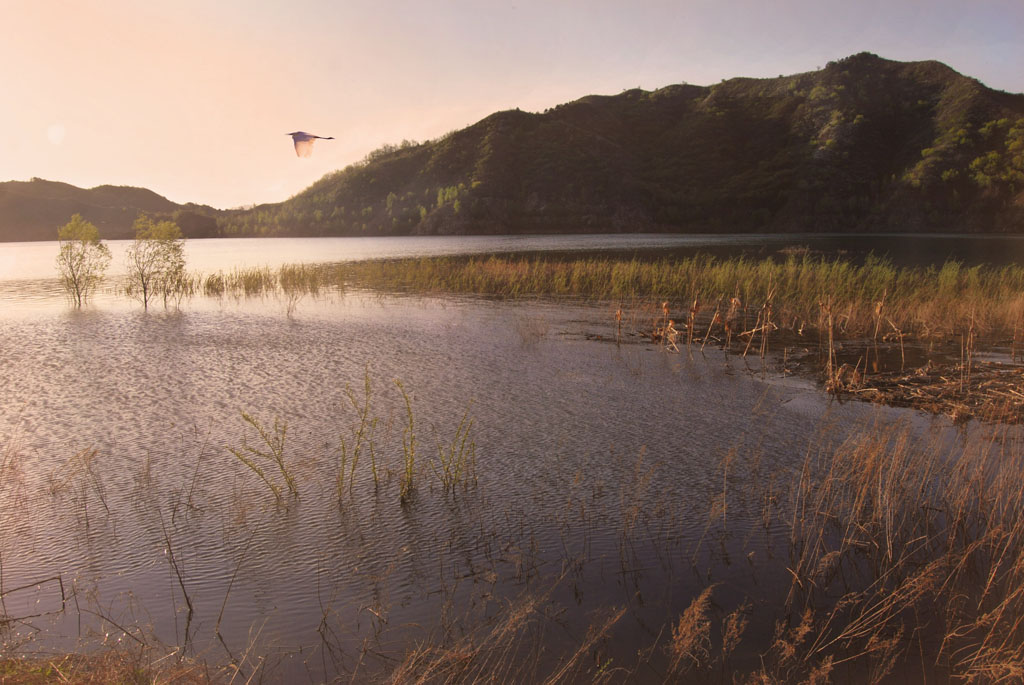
[865, 144]
[33, 210]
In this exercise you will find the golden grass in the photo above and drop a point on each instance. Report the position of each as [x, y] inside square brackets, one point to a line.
[509, 650]
[691, 637]
[896, 545]
[103, 668]
[904, 558]
[875, 297]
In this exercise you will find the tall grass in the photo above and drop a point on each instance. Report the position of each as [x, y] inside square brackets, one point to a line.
[903, 551]
[241, 282]
[510, 648]
[294, 281]
[923, 301]
[865, 299]
[903, 559]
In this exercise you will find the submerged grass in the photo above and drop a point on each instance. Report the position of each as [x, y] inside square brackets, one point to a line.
[408, 447]
[456, 461]
[252, 456]
[362, 438]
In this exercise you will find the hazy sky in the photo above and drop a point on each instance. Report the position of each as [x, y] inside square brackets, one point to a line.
[192, 98]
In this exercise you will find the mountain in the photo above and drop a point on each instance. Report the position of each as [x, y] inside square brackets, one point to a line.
[865, 144]
[33, 210]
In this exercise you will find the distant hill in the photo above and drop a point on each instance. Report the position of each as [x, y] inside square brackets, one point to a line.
[865, 144]
[33, 210]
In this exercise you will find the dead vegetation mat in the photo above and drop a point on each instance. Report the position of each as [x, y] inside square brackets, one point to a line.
[987, 390]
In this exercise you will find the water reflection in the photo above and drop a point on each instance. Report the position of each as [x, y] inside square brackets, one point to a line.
[599, 456]
[597, 465]
[35, 261]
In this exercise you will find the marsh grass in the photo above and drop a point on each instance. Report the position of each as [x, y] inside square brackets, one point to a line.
[455, 465]
[293, 281]
[867, 299]
[900, 551]
[362, 438]
[456, 460]
[904, 559]
[117, 665]
[920, 301]
[274, 441]
[690, 647]
[250, 282]
[511, 648]
[408, 447]
[900, 556]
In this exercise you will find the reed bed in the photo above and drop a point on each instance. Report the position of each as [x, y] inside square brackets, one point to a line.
[904, 552]
[875, 297]
[292, 280]
[240, 282]
[904, 561]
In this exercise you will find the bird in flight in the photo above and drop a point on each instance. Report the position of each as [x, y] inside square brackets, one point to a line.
[304, 142]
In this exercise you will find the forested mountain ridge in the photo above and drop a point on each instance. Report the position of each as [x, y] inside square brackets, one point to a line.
[865, 144]
[34, 210]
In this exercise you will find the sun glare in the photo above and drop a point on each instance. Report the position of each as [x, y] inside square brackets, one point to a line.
[56, 133]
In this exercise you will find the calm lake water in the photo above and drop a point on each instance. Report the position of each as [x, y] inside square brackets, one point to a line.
[35, 260]
[596, 465]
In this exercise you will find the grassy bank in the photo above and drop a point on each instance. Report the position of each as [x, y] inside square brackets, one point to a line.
[112, 666]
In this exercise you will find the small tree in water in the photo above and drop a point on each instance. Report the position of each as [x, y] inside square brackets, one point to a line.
[155, 261]
[82, 258]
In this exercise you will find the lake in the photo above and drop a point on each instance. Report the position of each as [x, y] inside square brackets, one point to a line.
[35, 260]
[551, 467]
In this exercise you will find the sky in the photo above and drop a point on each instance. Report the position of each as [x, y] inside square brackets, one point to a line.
[193, 98]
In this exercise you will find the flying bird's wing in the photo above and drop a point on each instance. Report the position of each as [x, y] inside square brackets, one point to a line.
[304, 142]
[303, 146]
